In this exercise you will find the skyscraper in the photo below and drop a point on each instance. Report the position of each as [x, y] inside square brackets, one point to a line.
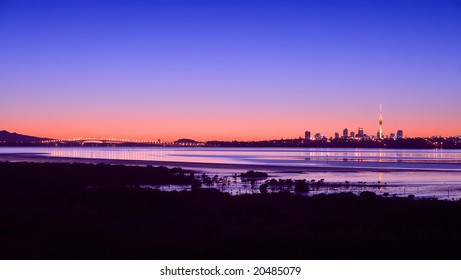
[318, 136]
[380, 131]
[345, 133]
[399, 134]
[307, 135]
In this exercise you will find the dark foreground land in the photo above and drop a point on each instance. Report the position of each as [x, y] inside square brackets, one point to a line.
[83, 211]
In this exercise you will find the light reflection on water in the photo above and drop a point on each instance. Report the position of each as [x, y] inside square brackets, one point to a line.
[262, 156]
[429, 181]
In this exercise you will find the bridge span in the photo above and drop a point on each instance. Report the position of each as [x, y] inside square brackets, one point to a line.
[113, 141]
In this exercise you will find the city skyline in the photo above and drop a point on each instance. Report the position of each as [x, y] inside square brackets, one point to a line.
[360, 134]
[231, 70]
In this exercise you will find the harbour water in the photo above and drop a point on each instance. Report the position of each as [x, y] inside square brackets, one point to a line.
[423, 173]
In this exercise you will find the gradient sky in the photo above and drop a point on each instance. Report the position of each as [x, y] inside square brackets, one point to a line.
[245, 70]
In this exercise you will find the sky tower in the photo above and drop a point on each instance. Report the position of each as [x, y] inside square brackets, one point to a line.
[380, 131]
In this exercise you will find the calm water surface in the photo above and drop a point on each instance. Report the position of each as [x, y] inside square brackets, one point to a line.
[353, 158]
[420, 172]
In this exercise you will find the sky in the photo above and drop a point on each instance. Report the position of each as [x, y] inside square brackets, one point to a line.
[229, 70]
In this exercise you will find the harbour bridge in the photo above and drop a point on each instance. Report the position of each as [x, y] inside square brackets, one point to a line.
[113, 141]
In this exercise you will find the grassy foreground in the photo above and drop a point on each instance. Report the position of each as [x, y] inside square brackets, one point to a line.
[79, 211]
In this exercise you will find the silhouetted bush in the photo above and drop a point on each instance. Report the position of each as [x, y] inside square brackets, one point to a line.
[263, 188]
[368, 194]
[254, 174]
[51, 175]
[196, 185]
[67, 211]
[301, 187]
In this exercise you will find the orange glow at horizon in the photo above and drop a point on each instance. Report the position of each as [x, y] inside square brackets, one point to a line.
[268, 119]
[250, 130]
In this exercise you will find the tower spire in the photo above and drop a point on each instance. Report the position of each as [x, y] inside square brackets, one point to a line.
[380, 132]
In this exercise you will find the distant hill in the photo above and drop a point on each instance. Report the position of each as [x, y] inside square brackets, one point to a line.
[13, 138]
[186, 141]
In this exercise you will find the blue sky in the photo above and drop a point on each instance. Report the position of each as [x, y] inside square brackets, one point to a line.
[229, 69]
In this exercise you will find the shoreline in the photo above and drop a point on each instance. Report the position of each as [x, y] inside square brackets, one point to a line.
[39, 158]
[337, 180]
